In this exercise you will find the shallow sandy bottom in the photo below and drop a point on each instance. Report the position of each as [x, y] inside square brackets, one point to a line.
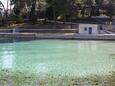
[11, 78]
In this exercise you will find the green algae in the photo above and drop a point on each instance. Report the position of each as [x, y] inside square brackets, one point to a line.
[16, 78]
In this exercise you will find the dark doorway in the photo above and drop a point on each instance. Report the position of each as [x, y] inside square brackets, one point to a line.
[90, 30]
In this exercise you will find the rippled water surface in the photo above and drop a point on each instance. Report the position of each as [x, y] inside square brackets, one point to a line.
[69, 57]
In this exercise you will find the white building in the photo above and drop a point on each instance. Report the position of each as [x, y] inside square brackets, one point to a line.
[88, 29]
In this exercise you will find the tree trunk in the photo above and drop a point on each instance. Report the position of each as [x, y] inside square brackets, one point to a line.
[54, 12]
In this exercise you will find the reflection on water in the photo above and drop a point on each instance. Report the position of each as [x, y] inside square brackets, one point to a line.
[7, 56]
[42, 68]
[59, 57]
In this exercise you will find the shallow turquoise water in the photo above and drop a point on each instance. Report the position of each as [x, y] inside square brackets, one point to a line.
[59, 57]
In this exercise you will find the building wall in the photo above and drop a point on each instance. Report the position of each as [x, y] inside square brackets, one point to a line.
[86, 32]
[108, 27]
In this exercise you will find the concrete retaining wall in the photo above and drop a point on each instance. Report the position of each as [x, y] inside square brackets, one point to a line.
[58, 36]
[17, 35]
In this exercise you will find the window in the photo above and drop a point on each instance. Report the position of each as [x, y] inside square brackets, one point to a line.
[85, 29]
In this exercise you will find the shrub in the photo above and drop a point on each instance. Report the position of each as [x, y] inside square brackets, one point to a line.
[17, 18]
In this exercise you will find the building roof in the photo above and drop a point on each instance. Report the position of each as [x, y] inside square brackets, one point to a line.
[88, 24]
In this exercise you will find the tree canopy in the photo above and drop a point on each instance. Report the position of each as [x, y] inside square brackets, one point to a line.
[61, 9]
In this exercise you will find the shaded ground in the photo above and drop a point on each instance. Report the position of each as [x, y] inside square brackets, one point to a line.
[48, 25]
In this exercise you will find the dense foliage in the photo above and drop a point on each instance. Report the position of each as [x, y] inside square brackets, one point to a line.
[65, 10]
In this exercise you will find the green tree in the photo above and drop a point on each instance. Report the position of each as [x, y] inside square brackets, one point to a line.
[32, 14]
[110, 9]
